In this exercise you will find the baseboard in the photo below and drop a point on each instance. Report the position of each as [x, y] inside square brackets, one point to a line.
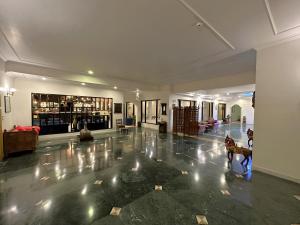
[276, 174]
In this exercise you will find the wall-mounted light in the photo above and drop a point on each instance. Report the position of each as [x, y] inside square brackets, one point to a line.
[137, 95]
[8, 91]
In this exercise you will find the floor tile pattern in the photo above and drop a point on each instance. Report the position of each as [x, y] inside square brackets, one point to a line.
[68, 182]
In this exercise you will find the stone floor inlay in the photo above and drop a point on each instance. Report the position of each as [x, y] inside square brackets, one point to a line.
[158, 188]
[225, 192]
[297, 197]
[201, 220]
[82, 181]
[98, 182]
[115, 211]
[45, 178]
[184, 172]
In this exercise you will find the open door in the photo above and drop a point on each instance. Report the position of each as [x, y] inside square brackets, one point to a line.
[130, 113]
[236, 113]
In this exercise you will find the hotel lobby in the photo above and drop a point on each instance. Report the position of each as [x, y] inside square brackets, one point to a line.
[142, 112]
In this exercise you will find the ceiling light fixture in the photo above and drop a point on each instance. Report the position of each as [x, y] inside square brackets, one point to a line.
[199, 24]
[83, 84]
[90, 72]
[227, 93]
[115, 87]
[44, 78]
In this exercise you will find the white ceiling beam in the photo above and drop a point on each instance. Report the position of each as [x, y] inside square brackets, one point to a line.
[206, 23]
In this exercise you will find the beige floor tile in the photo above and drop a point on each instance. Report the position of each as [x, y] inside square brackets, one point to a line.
[45, 178]
[201, 220]
[115, 211]
[158, 188]
[183, 172]
[225, 192]
[297, 197]
[98, 182]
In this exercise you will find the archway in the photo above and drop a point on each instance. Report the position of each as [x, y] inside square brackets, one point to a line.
[236, 113]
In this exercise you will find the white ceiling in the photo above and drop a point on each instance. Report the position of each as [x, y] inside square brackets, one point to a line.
[222, 94]
[153, 42]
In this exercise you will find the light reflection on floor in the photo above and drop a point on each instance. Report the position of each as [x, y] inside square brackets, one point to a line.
[67, 182]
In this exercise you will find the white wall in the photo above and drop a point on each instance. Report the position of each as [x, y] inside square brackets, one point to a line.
[277, 111]
[149, 95]
[5, 81]
[21, 101]
[246, 108]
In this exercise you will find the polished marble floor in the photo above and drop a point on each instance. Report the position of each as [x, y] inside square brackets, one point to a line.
[142, 178]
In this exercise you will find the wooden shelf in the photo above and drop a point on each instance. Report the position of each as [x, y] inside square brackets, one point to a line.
[65, 116]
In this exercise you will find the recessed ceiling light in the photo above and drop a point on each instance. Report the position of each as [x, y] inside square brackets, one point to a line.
[44, 78]
[115, 87]
[227, 93]
[83, 84]
[90, 72]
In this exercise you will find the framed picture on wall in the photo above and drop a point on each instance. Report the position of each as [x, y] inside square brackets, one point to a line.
[163, 108]
[118, 107]
[7, 104]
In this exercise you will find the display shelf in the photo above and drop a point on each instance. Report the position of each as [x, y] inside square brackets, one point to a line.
[67, 113]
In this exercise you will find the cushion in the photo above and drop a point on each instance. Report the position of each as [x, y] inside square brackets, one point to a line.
[28, 128]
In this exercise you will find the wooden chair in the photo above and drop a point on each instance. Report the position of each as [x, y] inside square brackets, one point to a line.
[119, 124]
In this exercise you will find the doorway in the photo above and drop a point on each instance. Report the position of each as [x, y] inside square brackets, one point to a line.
[236, 113]
[221, 111]
[207, 110]
[130, 114]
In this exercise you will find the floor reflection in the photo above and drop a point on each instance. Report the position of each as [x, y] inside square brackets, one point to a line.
[68, 182]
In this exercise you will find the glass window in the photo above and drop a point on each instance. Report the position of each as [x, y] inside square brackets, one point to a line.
[186, 103]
